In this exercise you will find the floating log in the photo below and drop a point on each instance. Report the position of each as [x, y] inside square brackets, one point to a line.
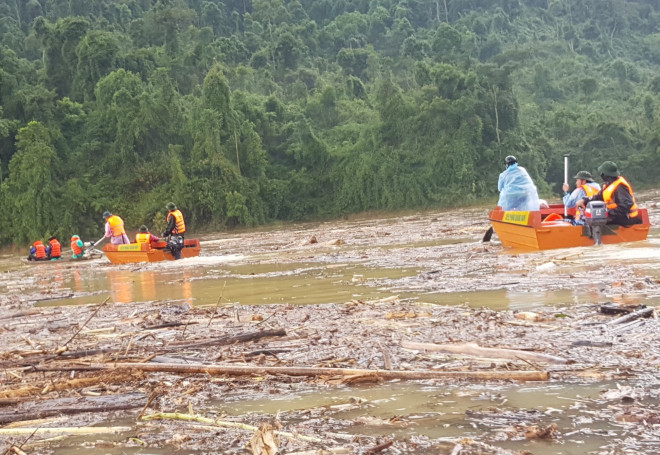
[643, 313]
[474, 349]
[244, 370]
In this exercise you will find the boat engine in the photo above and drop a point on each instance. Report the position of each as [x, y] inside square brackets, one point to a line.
[175, 245]
[595, 217]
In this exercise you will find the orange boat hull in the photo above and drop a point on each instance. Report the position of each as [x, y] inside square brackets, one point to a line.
[154, 252]
[526, 230]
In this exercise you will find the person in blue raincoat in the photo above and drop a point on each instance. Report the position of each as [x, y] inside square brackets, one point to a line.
[517, 190]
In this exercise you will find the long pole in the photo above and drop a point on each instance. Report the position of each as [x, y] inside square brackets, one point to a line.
[565, 180]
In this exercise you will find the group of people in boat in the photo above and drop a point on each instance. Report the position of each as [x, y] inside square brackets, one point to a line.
[115, 231]
[518, 192]
[50, 251]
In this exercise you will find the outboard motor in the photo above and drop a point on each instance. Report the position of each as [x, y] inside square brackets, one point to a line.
[595, 217]
[175, 245]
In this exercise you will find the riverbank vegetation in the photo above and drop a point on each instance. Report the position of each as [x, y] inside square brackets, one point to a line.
[253, 111]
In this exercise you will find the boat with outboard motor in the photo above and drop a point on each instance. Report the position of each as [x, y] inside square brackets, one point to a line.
[551, 228]
[149, 252]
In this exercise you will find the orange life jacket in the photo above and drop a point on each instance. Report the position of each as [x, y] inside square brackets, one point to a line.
[608, 193]
[75, 247]
[589, 190]
[180, 224]
[117, 225]
[143, 237]
[40, 252]
[55, 248]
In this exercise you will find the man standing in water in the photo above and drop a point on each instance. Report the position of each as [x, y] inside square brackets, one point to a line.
[176, 227]
[517, 190]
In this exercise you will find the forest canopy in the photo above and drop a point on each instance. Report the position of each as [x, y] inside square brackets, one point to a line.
[247, 112]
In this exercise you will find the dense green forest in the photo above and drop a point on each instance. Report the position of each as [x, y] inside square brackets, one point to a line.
[246, 112]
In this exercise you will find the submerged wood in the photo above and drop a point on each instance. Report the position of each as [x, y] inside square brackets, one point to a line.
[221, 423]
[491, 353]
[242, 370]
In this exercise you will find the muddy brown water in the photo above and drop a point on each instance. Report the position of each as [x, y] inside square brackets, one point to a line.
[434, 258]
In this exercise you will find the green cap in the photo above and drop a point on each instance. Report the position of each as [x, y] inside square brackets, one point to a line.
[143, 228]
[171, 206]
[609, 168]
[584, 175]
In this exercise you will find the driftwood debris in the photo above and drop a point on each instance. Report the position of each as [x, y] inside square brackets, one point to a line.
[60, 430]
[86, 322]
[243, 370]
[474, 349]
[242, 338]
[57, 386]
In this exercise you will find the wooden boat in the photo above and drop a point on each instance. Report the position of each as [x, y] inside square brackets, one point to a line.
[149, 252]
[546, 229]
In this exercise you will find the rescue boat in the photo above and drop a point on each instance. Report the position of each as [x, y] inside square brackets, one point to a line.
[548, 229]
[149, 252]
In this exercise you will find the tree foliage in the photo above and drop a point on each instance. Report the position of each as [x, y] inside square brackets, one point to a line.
[246, 112]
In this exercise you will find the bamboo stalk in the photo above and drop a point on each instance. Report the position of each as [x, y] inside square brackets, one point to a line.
[221, 423]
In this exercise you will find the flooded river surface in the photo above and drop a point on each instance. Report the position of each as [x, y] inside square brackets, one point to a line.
[421, 260]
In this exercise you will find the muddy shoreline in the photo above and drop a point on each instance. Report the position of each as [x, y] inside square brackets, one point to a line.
[68, 366]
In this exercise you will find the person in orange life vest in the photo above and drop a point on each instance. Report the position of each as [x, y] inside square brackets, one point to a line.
[144, 236]
[77, 246]
[38, 252]
[54, 249]
[584, 187]
[175, 223]
[176, 227]
[617, 194]
[114, 229]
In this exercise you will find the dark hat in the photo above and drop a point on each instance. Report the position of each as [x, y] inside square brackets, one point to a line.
[106, 214]
[609, 169]
[584, 175]
[509, 160]
[52, 238]
[143, 228]
[171, 206]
